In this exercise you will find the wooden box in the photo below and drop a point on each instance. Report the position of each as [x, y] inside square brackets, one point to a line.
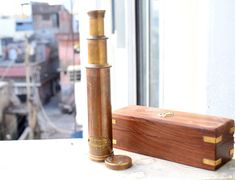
[197, 140]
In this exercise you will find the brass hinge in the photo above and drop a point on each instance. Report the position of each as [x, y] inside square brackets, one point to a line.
[231, 152]
[113, 121]
[231, 130]
[213, 140]
[210, 162]
[114, 141]
[166, 114]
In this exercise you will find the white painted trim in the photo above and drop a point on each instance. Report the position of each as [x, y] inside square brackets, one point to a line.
[131, 49]
[161, 54]
[147, 50]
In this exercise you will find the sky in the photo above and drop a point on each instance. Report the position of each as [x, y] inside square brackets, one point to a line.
[13, 7]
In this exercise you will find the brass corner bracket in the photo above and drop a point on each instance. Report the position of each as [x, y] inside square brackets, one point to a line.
[114, 121]
[231, 152]
[114, 141]
[231, 130]
[213, 163]
[213, 140]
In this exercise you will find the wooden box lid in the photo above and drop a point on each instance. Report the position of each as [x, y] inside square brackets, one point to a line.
[214, 124]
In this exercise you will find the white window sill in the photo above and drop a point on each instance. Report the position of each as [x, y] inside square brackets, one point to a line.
[68, 159]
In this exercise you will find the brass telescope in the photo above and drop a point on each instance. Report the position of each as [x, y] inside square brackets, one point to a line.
[98, 90]
[98, 97]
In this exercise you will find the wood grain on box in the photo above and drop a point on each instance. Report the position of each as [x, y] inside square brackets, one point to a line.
[192, 139]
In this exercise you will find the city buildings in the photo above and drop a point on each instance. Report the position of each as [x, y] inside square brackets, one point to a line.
[41, 29]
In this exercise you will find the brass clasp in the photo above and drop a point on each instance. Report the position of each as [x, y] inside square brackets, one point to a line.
[166, 114]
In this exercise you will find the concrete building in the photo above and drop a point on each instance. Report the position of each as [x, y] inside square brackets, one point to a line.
[45, 20]
[69, 58]
[15, 27]
[42, 26]
[69, 49]
[43, 69]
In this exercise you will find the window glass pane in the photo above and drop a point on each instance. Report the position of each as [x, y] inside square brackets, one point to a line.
[147, 15]
[141, 15]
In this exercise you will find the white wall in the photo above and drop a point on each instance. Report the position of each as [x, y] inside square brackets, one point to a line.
[80, 88]
[183, 54]
[221, 62]
[9, 27]
[197, 67]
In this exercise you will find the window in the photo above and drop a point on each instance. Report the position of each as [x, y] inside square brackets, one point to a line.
[24, 26]
[74, 73]
[46, 17]
[55, 20]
